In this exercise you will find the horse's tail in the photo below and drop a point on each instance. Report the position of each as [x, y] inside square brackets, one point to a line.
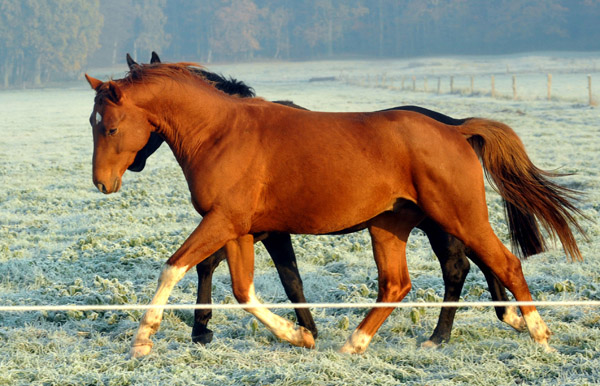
[529, 195]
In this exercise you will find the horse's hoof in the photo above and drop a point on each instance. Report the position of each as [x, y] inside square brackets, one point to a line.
[350, 349]
[141, 349]
[204, 337]
[308, 341]
[357, 343]
[429, 344]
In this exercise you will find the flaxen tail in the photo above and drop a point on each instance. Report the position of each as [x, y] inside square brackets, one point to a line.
[531, 197]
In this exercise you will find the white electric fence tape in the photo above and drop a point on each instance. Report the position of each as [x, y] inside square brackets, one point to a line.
[124, 307]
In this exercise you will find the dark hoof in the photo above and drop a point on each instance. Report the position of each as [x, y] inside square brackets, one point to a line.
[203, 337]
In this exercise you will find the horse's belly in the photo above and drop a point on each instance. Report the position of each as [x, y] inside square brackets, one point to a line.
[326, 208]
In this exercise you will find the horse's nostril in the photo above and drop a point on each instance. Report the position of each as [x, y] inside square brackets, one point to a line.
[101, 187]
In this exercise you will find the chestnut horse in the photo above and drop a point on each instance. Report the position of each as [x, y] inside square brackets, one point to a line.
[451, 253]
[253, 166]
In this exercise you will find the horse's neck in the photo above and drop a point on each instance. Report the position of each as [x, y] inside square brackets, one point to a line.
[189, 119]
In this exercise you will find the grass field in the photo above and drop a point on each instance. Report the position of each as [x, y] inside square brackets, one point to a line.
[63, 242]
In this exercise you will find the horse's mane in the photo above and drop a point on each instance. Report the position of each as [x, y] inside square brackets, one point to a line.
[151, 72]
[145, 73]
[229, 86]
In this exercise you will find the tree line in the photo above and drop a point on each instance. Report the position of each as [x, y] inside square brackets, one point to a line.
[43, 40]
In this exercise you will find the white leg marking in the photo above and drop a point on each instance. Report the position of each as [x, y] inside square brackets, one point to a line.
[357, 343]
[513, 319]
[538, 329]
[429, 344]
[280, 327]
[142, 344]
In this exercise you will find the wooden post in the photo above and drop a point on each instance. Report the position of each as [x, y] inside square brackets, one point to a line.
[425, 84]
[472, 85]
[439, 84]
[452, 85]
[549, 86]
[590, 89]
[514, 86]
[493, 87]
[414, 83]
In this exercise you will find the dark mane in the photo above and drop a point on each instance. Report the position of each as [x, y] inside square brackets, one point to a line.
[229, 86]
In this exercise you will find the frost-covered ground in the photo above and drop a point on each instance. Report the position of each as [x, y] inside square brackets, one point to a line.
[62, 242]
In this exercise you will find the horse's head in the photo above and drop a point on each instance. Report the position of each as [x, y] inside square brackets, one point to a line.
[120, 130]
[155, 139]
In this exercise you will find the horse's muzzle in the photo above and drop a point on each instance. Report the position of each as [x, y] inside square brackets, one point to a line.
[112, 189]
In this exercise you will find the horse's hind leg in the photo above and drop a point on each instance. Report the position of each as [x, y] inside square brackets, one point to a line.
[240, 257]
[389, 233]
[507, 267]
[279, 246]
[508, 314]
[200, 332]
[450, 252]
[447, 207]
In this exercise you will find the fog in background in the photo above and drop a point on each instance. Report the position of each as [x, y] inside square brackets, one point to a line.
[54, 40]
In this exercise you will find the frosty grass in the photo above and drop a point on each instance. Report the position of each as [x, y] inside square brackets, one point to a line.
[63, 242]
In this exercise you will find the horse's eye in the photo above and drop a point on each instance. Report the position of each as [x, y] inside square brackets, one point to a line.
[112, 131]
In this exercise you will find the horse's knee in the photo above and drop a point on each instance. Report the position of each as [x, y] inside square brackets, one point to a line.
[393, 292]
[243, 294]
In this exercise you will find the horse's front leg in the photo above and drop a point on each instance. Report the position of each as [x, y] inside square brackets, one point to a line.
[279, 246]
[200, 332]
[389, 234]
[212, 233]
[240, 257]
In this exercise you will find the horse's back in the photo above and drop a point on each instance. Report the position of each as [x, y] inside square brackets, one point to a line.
[345, 166]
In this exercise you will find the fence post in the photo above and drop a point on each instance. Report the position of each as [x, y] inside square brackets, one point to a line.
[425, 84]
[414, 83]
[493, 87]
[403, 79]
[472, 90]
[549, 86]
[590, 89]
[451, 84]
[514, 86]
[439, 84]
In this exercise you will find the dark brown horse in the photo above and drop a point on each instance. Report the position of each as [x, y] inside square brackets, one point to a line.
[253, 166]
[451, 253]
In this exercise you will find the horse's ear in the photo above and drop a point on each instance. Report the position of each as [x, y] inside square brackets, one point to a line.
[95, 83]
[114, 92]
[130, 61]
[154, 58]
